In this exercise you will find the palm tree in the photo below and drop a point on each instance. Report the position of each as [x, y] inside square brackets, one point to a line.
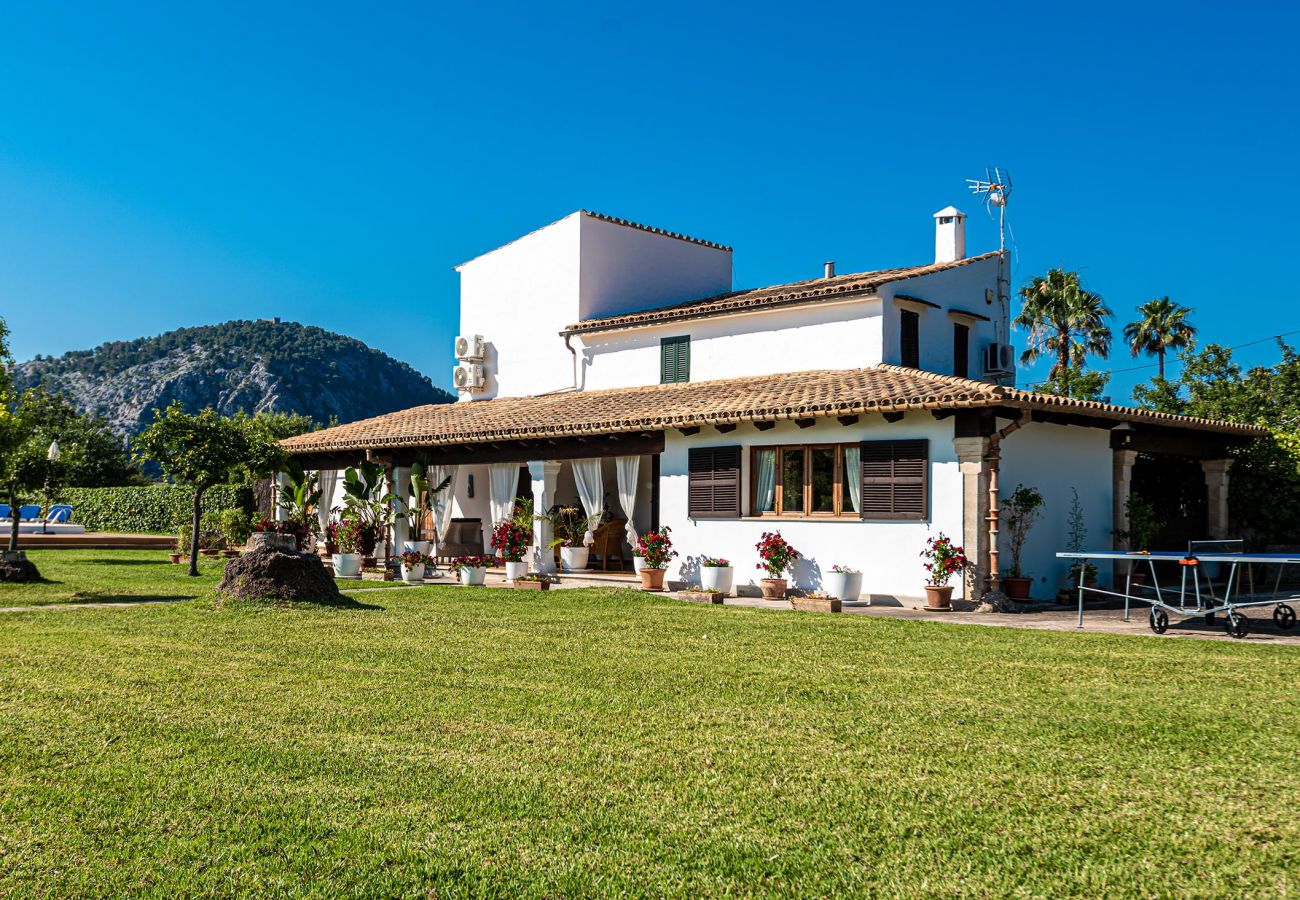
[1163, 326]
[1064, 321]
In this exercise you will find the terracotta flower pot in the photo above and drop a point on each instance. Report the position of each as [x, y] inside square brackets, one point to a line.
[1017, 588]
[773, 588]
[938, 596]
[174, 557]
[652, 579]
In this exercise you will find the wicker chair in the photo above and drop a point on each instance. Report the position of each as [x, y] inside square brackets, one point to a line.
[464, 538]
[609, 543]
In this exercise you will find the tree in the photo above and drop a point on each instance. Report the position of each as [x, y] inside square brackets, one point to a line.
[201, 450]
[91, 455]
[1075, 381]
[1163, 326]
[24, 467]
[1064, 321]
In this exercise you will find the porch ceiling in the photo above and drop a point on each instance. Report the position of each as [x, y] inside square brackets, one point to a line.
[656, 408]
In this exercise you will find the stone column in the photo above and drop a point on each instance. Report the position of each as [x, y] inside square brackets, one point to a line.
[1216, 495]
[280, 480]
[543, 473]
[972, 462]
[1121, 485]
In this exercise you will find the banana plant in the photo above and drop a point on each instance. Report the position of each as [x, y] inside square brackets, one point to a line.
[364, 496]
[420, 501]
[300, 497]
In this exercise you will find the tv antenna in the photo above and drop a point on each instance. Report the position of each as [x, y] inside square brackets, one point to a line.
[995, 190]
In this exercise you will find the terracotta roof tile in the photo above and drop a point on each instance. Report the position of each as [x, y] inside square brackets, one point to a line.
[763, 298]
[658, 407]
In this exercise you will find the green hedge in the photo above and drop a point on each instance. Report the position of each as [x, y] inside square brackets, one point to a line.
[157, 509]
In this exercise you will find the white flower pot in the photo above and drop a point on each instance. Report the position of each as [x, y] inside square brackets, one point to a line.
[347, 564]
[516, 570]
[476, 575]
[574, 558]
[417, 546]
[843, 585]
[638, 563]
[413, 574]
[717, 578]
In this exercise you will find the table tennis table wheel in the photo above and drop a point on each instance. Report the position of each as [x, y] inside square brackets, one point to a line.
[1237, 624]
[1159, 620]
[1283, 616]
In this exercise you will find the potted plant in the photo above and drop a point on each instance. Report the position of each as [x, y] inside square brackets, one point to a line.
[536, 581]
[510, 541]
[775, 556]
[1019, 512]
[472, 569]
[1143, 528]
[655, 549]
[943, 559]
[716, 574]
[570, 526]
[814, 601]
[349, 537]
[366, 501]
[843, 582]
[413, 566]
[697, 594]
[1082, 572]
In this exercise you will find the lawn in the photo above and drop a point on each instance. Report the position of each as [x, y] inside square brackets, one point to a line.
[448, 741]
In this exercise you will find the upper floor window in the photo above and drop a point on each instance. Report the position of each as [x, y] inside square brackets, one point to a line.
[909, 338]
[674, 359]
[961, 350]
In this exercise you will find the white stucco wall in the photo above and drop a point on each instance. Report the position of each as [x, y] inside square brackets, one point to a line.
[886, 552]
[831, 336]
[1054, 459]
[961, 288]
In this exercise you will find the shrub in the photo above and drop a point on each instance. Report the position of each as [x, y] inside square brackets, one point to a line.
[775, 554]
[155, 509]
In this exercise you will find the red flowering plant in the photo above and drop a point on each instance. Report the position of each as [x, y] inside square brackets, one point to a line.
[775, 554]
[414, 558]
[656, 548]
[510, 540]
[295, 528]
[943, 559]
[472, 562]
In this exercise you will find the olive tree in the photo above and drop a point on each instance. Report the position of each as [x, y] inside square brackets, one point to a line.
[201, 450]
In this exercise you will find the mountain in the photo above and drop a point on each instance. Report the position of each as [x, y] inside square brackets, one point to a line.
[254, 366]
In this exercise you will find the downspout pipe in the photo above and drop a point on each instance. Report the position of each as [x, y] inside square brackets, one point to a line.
[993, 592]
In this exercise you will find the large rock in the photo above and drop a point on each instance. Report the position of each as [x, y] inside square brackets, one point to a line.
[15, 567]
[267, 574]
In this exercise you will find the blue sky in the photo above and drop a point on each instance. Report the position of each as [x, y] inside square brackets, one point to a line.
[179, 164]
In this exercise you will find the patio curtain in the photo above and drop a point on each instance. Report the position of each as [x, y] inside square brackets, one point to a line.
[853, 471]
[503, 480]
[626, 468]
[325, 479]
[765, 480]
[591, 491]
[442, 499]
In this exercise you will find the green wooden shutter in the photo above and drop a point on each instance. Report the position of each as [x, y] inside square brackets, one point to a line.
[674, 359]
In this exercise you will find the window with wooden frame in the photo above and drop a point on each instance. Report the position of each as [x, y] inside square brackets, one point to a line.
[814, 480]
[909, 338]
[961, 350]
[674, 359]
[713, 482]
[895, 477]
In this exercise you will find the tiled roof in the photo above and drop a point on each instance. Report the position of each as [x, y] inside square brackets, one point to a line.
[793, 395]
[768, 297]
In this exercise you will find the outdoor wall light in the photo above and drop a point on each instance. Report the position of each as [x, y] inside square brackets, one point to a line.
[469, 485]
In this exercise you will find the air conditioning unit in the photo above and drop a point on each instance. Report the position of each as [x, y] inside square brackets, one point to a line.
[470, 346]
[999, 359]
[468, 377]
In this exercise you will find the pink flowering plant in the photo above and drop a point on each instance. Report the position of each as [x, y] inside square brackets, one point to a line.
[656, 548]
[715, 562]
[943, 559]
[510, 539]
[414, 558]
[774, 554]
[843, 570]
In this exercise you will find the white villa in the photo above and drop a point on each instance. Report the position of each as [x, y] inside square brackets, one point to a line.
[855, 413]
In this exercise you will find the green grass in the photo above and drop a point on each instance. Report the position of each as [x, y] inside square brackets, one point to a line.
[452, 741]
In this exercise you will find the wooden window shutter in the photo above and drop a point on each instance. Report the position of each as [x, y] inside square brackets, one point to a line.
[674, 359]
[894, 479]
[713, 482]
[909, 338]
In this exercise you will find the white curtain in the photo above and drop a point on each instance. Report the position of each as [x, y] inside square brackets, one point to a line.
[326, 479]
[591, 491]
[442, 499]
[765, 494]
[503, 482]
[853, 472]
[627, 468]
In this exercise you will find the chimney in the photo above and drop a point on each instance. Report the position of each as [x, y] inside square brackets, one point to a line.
[829, 270]
[949, 235]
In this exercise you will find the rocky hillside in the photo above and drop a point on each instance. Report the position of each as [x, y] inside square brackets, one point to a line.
[254, 366]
